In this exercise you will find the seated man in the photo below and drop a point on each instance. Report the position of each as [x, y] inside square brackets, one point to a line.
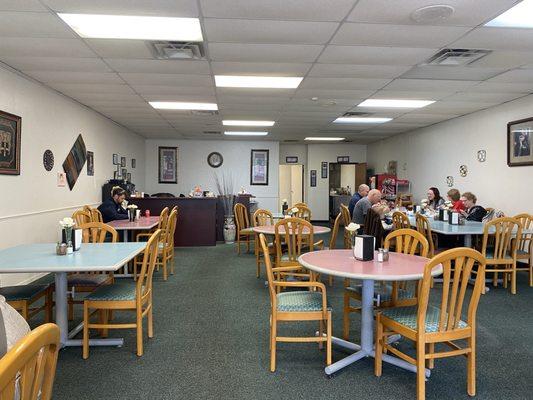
[472, 212]
[361, 192]
[112, 209]
[363, 205]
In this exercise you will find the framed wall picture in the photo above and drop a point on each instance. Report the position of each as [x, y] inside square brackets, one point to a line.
[343, 159]
[324, 170]
[90, 163]
[123, 173]
[75, 161]
[115, 159]
[133, 163]
[259, 167]
[168, 165]
[128, 177]
[313, 178]
[122, 162]
[9, 143]
[291, 160]
[519, 143]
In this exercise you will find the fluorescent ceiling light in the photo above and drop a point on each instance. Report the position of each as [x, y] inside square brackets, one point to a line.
[361, 120]
[331, 139]
[263, 82]
[395, 103]
[518, 16]
[241, 133]
[178, 105]
[132, 27]
[232, 122]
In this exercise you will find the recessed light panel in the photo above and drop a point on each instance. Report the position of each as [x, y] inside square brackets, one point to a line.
[229, 122]
[241, 133]
[325, 139]
[262, 82]
[361, 120]
[134, 27]
[390, 103]
[178, 105]
[518, 16]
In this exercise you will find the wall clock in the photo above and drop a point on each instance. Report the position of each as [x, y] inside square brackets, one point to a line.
[48, 160]
[215, 159]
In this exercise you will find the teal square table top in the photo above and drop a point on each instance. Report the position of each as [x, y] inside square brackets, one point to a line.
[91, 257]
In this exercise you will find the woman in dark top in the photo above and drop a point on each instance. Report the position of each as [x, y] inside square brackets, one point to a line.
[434, 198]
[473, 212]
[112, 209]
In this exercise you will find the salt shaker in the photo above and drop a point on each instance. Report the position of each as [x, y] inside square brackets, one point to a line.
[385, 255]
[380, 255]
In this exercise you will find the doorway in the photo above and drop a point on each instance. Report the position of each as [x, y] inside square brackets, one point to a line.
[291, 184]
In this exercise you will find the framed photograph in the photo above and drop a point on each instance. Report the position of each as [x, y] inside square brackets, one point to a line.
[128, 177]
[123, 173]
[9, 143]
[133, 163]
[168, 165]
[291, 160]
[519, 142]
[90, 163]
[259, 167]
[115, 159]
[75, 161]
[61, 179]
[123, 161]
[343, 159]
[324, 170]
[313, 178]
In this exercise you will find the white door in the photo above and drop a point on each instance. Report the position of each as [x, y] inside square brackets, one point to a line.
[284, 185]
[296, 184]
[290, 184]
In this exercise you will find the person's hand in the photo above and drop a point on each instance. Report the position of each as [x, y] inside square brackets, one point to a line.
[464, 213]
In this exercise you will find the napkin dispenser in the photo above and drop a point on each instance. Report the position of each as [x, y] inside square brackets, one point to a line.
[453, 218]
[416, 208]
[77, 238]
[363, 249]
[443, 215]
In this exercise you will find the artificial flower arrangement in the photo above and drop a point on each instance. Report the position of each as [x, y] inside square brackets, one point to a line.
[67, 224]
[352, 229]
[132, 211]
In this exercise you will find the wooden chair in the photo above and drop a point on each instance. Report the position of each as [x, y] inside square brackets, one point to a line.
[124, 295]
[84, 282]
[165, 255]
[333, 239]
[346, 219]
[407, 241]
[374, 227]
[244, 231]
[299, 305]
[81, 217]
[96, 215]
[145, 236]
[301, 204]
[22, 297]
[427, 325]
[31, 365]
[262, 217]
[501, 254]
[400, 220]
[303, 212]
[524, 251]
[423, 226]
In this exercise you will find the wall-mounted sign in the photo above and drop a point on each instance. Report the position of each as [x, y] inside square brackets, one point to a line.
[313, 178]
[343, 159]
[291, 160]
[324, 170]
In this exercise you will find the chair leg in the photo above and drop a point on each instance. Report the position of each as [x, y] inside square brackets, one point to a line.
[378, 351]
[346, 317]
[495, 279]
[105, 331]
[25, 310]
[420, 371]
[49, 299]
[85, 331]
[151, 321]
[320, 334]
[139, 333]
[70, 309]
[431, 361]
[513, 280]
[471, 366]
[101, 320]
[328, 341]
[330, 280]
[273, 335]
[238, 244]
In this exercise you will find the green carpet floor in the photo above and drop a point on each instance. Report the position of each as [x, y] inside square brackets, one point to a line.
[211, 342]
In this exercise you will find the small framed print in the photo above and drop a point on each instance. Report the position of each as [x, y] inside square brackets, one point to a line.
[520, 142]
[90, 163]
[259, 167]
[61, 179]
[133, 163]
[124, 173]
[324, 170]
[115, 159]
[343, 159]
[122, 161]
[10, 127]
[128, 177]
[168, 165]
[313, 178]
[291, 160]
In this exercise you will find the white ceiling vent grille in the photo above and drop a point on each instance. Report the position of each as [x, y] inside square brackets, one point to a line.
[356, 114]
[456, 57]
[163, 50]
[212, 132]
[204, 112]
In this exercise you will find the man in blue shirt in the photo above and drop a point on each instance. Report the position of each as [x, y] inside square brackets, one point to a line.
[362, 191]
[112, 209]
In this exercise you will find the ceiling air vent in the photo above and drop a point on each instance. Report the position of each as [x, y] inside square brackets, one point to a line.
[163, 50]
[212, 132]
[356, 114]
[456, 57]
[290, 141]
[204, 112]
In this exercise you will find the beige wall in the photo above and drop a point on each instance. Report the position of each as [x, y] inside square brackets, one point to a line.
[426, 156]
[31, 204]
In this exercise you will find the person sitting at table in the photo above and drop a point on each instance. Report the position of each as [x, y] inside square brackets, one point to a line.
[434, 198]
[472, 212]
[112, 209]
[382, 208]
[363, 205]
[362, 191]
[455, 197]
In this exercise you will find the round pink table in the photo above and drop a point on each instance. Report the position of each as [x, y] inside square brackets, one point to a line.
[341, 263]
[269, 230]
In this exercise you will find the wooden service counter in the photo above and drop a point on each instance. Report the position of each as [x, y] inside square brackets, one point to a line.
[196, 224]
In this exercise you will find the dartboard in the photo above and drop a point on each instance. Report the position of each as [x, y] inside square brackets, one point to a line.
[48, 160]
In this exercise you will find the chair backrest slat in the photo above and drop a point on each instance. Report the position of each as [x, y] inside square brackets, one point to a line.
[526, 220]
[408, 241]
[144, 280]
[241, 216]
[400, 220]
[293, 233]
[168, 233]
[423, 226]
[163, 219]
[81, 217]
[303, 212]
[335, 231]
[268, 265]
[262, 217]
[96, 232]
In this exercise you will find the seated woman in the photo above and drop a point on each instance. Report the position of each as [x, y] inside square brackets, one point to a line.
[434, 198]
[473, 212]
[112, 209]
[455, 197]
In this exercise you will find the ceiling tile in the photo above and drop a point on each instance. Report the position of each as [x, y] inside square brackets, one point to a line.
[196, 67]
[454, 107]
[343, 83]
[424, 118]
[357, 71]
[268, 31]
[482, 97]
[332, 94]
[260, 69]
[22, 5]
[449, 72]
[497, 39]
[514, 76]
[182, 97]
[76, 88]
[75, 77]
[504, 59]
[314, 10]
[243, 99]
[162, 8]
[33, 24]
[167, 79]
[56, 64]
[411, 94]
[499, 87]
[397, 35]
[227, 91]
[467, 13]
[107, 97]
[44, 47]
[375, 55]
[264, 52]
[168, 90]
[120, 48]
[429, 84]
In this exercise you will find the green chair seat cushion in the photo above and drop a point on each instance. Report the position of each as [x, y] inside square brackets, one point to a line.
[384, 292]
[48, 279]
[408, 315]
[299, 301]
[87, 280]
[22, 292]
[246, 231]
[522, 252]
[120, 291]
